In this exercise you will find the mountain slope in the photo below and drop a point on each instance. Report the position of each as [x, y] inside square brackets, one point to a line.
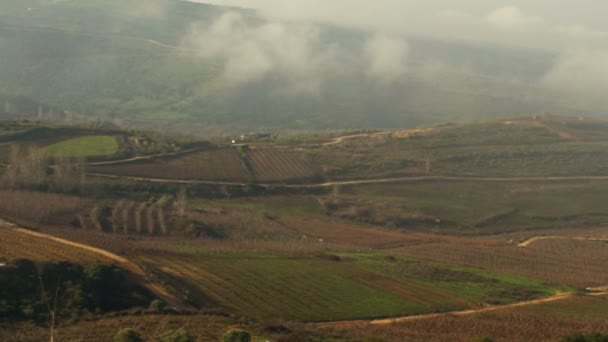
[148, 63]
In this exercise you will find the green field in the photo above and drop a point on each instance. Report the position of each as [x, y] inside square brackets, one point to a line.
[356, 286]
[87, 146]
[475, 207]
[519, 148]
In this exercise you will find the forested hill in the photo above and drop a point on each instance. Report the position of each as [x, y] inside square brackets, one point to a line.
[159, 62]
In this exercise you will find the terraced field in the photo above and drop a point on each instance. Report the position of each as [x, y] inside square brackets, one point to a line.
[323, 288]
[281, 165]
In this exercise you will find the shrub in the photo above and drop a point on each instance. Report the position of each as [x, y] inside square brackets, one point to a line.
[483, 339]
[179, 335]
[236, 335]
[158, 306]
[578, 337]
[127, 335]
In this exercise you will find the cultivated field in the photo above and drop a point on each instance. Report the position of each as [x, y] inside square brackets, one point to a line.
[333, 287]
[343, 251]
[204, 328]
[88, 146]
[18, 245]
[41, 208]
[574, 262]
[281, 165]
[214, 165]
[225, 164]
[62, 141]
[477, 207]
[518, 147]
[352, 234]
[542, 322]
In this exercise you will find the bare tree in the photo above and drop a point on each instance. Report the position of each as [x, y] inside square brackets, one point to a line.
[150, 220]
[138, 217]
[50, 303]
[181, 201]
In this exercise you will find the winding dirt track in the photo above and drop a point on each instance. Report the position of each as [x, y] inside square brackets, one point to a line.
[400, 134]
[351, 182]
[146, 157]
[596, 291]
[346, 324]
[540, 238]
[126, 264]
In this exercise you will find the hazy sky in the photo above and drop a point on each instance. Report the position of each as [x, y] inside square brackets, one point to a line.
[575, 30]
[545, 23]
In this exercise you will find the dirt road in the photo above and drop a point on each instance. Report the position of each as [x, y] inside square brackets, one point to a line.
[346, 324]
[397, 134]
[123, 263]
[540, 238]
[352, 182]
[146, 157]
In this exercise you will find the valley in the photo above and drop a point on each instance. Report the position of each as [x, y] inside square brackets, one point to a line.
[265, 234]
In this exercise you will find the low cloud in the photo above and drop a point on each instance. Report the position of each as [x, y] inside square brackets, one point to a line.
[251, 52]
[387, 58]
[291, 52]
[513, 18]
[582, 76]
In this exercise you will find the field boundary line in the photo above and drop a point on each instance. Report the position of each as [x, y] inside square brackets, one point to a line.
[349, 182]
[388, 321]
[145, 157]
[534, 239]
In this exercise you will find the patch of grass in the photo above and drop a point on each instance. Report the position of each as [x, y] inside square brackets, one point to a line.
[293, 289]
[348, 286]
[485, 207]
[91, 146]
[472, 284]
[274, 206]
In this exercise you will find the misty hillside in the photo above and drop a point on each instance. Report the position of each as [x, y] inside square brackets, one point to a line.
[152, 62]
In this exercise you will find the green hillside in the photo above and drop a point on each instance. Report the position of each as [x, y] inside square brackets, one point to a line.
[126, 62]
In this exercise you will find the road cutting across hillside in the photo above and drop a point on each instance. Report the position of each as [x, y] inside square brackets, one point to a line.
[387, 321]
[532, 240]
[123, 263]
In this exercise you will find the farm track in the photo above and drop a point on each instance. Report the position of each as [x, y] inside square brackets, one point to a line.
[387, 321]
[399, 134]
[146, 157]
[126, 264]
[595, 292]
[353, 182]
[532, 240]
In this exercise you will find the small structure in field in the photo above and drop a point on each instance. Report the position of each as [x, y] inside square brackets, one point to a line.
[139, 141]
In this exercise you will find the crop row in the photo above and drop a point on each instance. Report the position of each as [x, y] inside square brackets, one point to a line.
[15, 245]
[571, 262]
[278, 165]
